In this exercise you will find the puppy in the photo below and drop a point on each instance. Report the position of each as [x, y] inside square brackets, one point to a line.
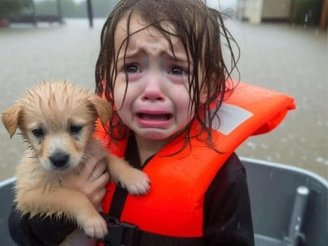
[57, 120]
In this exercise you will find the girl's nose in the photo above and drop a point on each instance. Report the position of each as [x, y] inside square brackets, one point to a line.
[153, 90]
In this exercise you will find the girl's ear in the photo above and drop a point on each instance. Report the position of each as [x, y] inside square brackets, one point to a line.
[11, 117]
[103, 108]
[203, 95]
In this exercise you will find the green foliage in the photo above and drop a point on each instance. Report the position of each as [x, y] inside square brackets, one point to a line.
[71, 9]
[102, 8]
[49, 7]
[9, 8]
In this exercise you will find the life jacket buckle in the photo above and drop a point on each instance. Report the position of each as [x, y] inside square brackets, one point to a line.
[119, 233]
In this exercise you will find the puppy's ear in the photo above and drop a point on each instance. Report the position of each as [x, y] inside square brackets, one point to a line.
[102, 107]
[11, 117]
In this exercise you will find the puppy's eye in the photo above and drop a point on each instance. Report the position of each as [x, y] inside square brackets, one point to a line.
[38, 132]
[75, 129]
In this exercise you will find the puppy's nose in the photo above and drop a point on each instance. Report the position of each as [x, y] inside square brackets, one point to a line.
[59, 159]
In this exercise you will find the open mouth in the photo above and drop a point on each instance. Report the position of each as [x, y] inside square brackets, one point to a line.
[156, 117]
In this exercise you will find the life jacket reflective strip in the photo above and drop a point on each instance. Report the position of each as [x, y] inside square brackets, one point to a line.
[174, 205]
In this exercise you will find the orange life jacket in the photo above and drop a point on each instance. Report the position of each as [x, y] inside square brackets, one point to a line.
[174, 205]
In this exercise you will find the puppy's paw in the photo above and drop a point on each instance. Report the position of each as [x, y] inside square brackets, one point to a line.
[94, 226]
[135, 181]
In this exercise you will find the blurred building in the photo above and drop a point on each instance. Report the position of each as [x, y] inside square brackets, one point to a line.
[305, 12]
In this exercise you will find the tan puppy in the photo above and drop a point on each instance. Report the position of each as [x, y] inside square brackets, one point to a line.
[57, 120]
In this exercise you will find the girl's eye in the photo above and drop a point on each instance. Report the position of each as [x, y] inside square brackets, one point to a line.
[176, 70]
[132, 68]
[75, 129]
[38, 133]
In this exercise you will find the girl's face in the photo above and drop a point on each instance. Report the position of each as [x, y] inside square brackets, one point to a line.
[156, 103]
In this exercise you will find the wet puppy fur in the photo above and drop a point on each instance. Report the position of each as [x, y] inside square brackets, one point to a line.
[57, 120]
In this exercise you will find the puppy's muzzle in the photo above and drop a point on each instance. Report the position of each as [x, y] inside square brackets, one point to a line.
[59, 160]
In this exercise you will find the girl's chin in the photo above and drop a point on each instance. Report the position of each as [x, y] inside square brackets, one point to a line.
[155, 135]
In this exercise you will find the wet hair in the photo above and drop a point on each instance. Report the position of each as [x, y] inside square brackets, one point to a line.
[203, 34]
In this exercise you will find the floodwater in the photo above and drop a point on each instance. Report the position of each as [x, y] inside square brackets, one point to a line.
[291, 59]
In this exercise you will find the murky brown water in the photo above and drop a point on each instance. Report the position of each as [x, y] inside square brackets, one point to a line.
[278, 56]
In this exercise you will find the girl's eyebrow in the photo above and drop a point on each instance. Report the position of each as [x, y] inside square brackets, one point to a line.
[179, 57]
[130, 54]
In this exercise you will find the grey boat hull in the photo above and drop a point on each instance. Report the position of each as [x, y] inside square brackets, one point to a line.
[289, 205]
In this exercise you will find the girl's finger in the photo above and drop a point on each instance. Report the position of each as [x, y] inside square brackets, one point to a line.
[98, 170]
[88, 167]
[97, 184]
[102, 180]
[98, 197]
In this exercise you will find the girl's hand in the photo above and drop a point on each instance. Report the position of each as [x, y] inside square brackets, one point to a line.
[91, 179]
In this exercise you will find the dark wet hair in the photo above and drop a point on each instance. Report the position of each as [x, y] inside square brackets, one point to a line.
[203, 35]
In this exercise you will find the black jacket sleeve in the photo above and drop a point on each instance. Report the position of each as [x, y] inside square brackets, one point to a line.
[38, 230]
[227, 215]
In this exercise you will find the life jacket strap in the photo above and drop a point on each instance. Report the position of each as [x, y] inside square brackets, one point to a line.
[124, 234]
[120, 233]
